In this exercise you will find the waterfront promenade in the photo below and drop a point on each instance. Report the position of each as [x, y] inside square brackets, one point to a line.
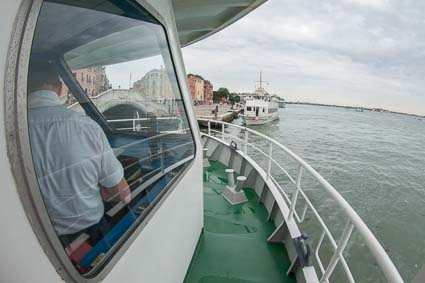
[224, 113]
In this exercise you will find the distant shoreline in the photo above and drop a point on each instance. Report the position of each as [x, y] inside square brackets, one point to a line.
[372, 109]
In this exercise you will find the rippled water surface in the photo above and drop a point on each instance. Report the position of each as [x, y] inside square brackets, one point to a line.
[376, 161]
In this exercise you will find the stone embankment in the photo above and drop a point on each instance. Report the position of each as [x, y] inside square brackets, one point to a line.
[220, 112]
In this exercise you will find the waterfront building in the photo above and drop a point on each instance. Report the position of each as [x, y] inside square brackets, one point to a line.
[93, 80]
[208, 92]
[154, 83]
[200, 89]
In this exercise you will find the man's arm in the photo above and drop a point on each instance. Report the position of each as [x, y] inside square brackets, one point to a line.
[121, 191]
[112, 183]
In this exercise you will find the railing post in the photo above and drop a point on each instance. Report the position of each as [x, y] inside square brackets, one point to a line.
[162, 155]
[316, 252]
[295, 195]
[134, 125]
[222, 131]
[209, 127]
[269, 166]
[338, 252]
[245, 150]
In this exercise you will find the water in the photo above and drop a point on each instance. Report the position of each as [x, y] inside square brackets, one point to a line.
[377, 162]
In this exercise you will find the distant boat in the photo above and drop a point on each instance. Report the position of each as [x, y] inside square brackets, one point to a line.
[281, 102]
[359, 109]
[260, 108]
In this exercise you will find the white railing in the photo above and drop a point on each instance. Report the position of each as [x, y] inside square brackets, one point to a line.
[137, 127]
[353, 220]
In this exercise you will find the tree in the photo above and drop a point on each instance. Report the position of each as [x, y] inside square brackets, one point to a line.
[221, 93]
[234, 97]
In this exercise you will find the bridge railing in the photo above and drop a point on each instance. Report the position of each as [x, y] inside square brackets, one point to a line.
[353, 220]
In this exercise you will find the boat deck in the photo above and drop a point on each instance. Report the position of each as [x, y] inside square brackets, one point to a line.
[233, 247]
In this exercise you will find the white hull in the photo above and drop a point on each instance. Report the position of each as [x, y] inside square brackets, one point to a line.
[160, 246]
[261, 120]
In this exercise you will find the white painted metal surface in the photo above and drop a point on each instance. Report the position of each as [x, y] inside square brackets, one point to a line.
[198, 19]
[161, 252]
[18, 246]
[353, 219]
[260, 120]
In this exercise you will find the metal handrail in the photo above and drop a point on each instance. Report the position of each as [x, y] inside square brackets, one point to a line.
[143, 119]
[353, 219]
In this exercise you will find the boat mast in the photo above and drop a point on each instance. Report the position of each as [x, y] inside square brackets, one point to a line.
[261, 73]
[261, 80]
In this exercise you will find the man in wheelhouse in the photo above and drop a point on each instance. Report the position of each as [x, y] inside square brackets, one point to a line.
[75, 165]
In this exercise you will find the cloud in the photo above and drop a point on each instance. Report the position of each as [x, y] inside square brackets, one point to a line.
[380, 4]
[354, 52]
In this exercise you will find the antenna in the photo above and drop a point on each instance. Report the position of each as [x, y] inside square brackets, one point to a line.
[261, 75]
[261, 80]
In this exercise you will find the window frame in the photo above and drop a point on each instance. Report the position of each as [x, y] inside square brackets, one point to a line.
[92, 111]
[19, 148]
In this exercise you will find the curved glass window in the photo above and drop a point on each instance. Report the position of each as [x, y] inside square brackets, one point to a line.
[108, 129]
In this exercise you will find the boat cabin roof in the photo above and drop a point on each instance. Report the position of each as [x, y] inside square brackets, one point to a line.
[198, 19]
[195, 20]
[257, 103]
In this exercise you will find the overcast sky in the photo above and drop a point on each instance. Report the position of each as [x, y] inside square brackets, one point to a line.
[349, 52]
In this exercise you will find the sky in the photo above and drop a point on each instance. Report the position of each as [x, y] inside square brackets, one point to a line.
[348, 52]
[123, 75]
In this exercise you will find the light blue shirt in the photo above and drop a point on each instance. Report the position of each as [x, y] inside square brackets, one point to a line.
[72, 156]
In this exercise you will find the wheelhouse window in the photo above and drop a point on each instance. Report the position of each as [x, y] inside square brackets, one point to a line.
[108, 129]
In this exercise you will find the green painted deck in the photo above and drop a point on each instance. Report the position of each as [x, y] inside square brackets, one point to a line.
[233, 247]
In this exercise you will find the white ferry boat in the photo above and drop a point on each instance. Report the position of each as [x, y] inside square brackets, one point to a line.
[106, 184]
[260, 108]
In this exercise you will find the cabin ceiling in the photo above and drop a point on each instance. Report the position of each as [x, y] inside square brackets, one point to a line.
[198, 19]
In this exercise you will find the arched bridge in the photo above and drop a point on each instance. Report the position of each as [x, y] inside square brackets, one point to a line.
[134, 101]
